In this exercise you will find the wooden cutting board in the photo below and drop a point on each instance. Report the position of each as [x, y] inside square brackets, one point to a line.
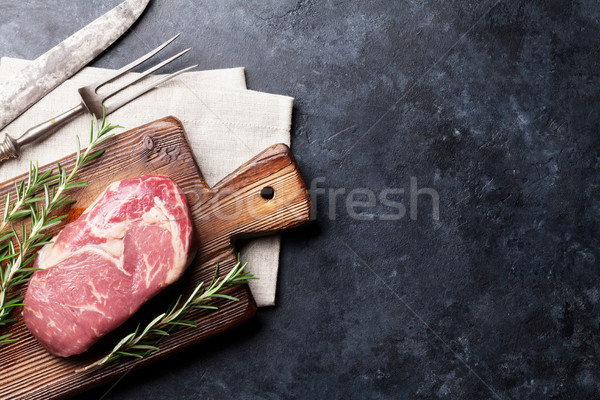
[235, 207]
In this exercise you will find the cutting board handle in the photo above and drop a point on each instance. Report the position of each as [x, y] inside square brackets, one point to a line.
[264, 195]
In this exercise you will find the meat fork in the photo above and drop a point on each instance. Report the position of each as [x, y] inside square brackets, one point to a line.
[93, 101]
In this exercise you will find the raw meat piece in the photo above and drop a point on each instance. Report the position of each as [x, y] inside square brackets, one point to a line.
[128, 245]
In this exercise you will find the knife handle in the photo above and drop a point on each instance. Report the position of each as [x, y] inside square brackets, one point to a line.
[11, 148]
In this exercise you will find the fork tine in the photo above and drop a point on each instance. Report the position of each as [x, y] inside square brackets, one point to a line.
[133, 64]
[121, 102]
[144, 74]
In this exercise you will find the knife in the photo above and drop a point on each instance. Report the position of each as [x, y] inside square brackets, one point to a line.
[21, 91]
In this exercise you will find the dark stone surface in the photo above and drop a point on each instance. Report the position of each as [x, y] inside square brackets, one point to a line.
[493, 104]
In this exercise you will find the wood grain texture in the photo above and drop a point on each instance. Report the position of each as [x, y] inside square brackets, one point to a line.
[231, 209]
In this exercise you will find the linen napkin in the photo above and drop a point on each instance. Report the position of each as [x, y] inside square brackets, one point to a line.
[225, 123]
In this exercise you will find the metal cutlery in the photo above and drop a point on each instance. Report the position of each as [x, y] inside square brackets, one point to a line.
[20, 91]
[94, 102]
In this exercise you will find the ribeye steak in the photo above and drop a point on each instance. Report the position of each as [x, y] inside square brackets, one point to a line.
[129, 244]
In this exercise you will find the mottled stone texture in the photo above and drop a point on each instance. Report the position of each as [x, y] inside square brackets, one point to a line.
[493, 104]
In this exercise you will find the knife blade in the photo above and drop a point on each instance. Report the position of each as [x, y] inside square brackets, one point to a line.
[21, 91]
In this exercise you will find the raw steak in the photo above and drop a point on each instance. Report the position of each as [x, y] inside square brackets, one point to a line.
[129, 244]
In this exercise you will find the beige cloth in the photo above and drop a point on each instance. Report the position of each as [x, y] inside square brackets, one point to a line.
[225, 124]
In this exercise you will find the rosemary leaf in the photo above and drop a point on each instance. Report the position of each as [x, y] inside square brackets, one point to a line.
[138, 344]
[4, 339]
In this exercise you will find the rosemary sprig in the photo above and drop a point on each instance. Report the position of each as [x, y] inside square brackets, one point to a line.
[39, 209]
[25, 196]
[141, 342]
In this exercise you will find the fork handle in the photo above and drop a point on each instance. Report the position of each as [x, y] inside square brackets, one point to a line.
[10, 148]
[44, 129]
